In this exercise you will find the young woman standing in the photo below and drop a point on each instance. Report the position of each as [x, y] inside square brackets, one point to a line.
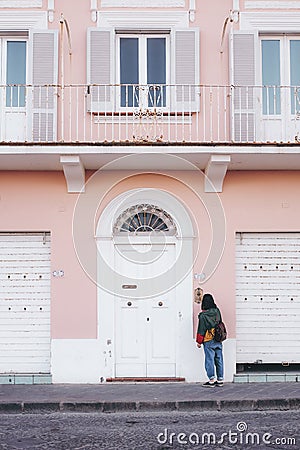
[213, 350]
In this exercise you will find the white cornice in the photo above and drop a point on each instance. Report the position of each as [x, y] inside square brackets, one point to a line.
[271, 5]
[271, 21]
[155, 20]
[142, 3]
[21, 3]
[23, 20]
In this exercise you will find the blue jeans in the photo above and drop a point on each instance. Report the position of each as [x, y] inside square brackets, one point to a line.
[214, 359]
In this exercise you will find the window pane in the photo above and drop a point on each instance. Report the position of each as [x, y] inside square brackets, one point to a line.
[16, 73]
[271, 76]
[295, 75]
[129, 70]
[156, 71]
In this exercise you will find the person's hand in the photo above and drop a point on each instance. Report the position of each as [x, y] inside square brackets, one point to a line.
[199, 345]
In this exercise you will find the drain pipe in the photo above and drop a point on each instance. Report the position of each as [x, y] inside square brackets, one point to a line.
[64, 24]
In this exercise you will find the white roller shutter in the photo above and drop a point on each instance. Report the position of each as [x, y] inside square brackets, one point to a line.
[25, 303]
[268, 297]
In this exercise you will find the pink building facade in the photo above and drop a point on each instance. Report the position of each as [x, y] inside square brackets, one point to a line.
[148, 148]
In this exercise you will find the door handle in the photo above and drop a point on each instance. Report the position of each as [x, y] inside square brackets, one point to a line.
[148, 319]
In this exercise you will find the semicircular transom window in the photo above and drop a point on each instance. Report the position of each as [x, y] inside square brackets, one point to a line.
[145, 218]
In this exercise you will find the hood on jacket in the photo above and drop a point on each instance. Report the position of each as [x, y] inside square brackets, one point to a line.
[208, 320]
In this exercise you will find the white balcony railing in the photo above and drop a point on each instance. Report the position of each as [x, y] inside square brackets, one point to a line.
[150, 114]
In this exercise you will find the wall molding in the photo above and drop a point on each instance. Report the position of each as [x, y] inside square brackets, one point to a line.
[21, 3]
[143, 3]
[250, 4]
[152, 20]
[271, 21]
[23, 20]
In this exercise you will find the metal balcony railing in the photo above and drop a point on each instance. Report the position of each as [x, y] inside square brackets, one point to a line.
[175, 114]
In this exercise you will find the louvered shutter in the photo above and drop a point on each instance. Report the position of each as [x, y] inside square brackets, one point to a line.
[43, 57]
[243, 46]
[99, 70]
[185, 70]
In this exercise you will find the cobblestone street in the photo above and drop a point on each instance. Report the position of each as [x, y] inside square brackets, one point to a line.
[151, 431]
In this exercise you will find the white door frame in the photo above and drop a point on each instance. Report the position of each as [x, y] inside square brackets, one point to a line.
[184, 286]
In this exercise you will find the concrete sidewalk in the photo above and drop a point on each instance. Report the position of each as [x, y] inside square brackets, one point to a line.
[116, 397]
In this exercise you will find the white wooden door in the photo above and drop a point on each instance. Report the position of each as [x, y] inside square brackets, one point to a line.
[24, 303]
[145, 327]
[268, 297]
[280, 60]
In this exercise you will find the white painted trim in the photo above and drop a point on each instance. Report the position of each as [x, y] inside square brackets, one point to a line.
[271, 5]
[192, 11]
[215, 172]
[138, 19]
[74, 173]
[21, 3]
[143, 3]
[271, 21]
[50, 10]
[106, 310]
[23, 20]
[75, 361]
[94, 12]
[152, 196]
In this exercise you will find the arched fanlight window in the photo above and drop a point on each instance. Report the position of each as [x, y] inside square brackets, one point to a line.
[144, 218]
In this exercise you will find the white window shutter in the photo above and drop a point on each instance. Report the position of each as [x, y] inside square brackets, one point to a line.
[243, 66]
[100, 69]
[185, 69]
[43, 66]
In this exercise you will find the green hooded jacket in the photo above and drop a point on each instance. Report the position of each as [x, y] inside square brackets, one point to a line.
[207, 321]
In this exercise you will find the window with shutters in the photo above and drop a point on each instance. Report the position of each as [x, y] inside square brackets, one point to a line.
[145, 69]
[28, 73]
[265, 78]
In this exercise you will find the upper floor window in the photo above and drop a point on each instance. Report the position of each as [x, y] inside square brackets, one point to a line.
[142, 70]
[145, 68]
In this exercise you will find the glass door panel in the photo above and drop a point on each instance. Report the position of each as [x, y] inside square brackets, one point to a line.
[15, 73]
[156, 71]
[271, 77]
[129, 71]
[295, 75]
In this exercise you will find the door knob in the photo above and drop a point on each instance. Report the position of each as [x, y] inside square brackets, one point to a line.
[148, 319]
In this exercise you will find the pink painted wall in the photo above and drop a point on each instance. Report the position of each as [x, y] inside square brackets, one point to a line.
[38, 201]
[209, 18]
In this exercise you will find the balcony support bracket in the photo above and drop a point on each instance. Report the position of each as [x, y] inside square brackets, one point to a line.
[74, 173]
[215, 172]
